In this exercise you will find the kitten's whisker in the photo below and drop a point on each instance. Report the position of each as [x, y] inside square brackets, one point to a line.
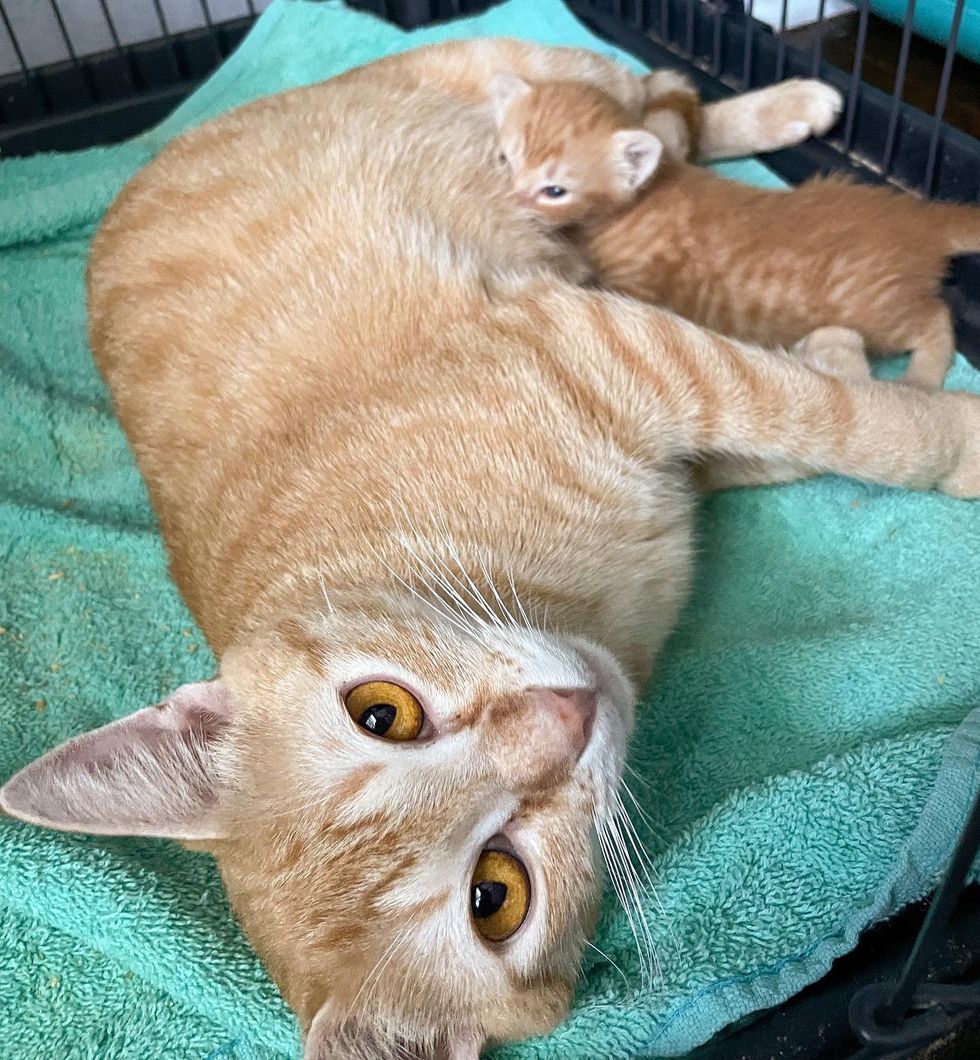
[456, 584]
[379, 967]
[445, 591]
[414, 546]
[623, 815]
[474, 590]
[319, 577]
[448, 616]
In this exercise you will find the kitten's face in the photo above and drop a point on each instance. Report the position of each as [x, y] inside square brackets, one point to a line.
[368, 871]
[571, 155]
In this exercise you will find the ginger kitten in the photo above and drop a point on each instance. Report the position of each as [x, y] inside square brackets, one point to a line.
[431, 505]
[766, 266]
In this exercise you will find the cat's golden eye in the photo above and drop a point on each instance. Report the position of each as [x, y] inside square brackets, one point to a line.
[500, 895]
[385, 709]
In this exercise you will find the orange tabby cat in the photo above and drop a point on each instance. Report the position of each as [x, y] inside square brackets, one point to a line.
[764, 266]
[431, 505]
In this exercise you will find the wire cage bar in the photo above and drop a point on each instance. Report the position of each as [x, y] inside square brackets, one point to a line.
[102, 75]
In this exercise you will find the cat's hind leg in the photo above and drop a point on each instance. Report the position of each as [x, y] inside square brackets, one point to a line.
[768, 119]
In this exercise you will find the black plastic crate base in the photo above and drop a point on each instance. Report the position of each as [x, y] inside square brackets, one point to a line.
[102, 99]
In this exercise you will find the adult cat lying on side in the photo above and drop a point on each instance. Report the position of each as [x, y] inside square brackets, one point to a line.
[431, 505]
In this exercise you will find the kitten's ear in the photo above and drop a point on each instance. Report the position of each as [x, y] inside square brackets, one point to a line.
[326, 1040]
[636, 155]
[504, 91]
[150, 773]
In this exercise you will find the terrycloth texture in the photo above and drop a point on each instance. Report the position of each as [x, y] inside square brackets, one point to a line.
[796, 751]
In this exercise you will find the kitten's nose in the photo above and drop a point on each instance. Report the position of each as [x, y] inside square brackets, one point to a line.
[573, 711]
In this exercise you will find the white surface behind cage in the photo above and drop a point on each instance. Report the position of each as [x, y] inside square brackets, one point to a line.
[798, 12]
[41, 40]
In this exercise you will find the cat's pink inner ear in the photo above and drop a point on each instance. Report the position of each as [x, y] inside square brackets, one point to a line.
[637, 155]
[504, 90]
[150, 773]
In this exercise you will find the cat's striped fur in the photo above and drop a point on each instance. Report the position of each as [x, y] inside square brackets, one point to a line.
[383, 441]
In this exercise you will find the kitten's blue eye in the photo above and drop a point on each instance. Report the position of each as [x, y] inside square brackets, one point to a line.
[554, 191]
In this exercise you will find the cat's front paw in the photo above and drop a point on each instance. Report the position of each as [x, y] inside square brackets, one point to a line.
[964, 480]
[793, 111]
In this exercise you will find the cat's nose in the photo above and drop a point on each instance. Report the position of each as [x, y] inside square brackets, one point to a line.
[571, 711]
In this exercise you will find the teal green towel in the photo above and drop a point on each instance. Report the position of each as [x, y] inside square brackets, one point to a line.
[805, 756]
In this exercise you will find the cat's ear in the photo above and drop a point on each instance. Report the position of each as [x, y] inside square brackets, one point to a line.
[150, 773]
[636, 155]
[326, 1040]
[504, 91]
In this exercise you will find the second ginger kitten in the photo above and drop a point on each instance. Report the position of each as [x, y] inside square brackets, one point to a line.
[761, 265]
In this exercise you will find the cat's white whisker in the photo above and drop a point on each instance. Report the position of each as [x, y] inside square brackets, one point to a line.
[464, 609]
[508, 617]
[602, 953]
[642, 813]
[442, 612]
[471, 586]
[455, 586]
[625, 814]
[633, 887]
[517, 600]
[638, 777]
[401, 937]
[320, 580]
[624, 823]
[628, 900]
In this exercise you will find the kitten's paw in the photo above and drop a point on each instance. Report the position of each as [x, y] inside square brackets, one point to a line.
[964, 480]
[793, 111]
[835, 351]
